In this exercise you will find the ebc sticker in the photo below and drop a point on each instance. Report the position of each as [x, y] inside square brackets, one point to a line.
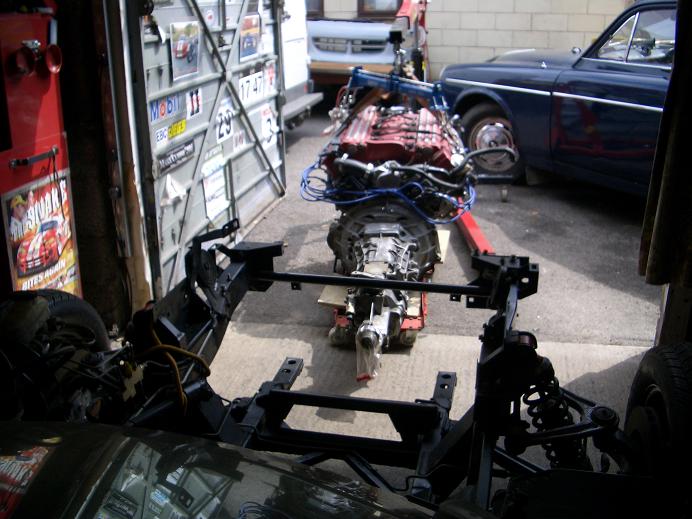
[163, 135]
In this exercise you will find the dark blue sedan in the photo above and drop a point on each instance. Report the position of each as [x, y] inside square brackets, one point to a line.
[593, 115]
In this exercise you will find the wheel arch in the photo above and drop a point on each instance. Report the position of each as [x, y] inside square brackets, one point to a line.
[475, 96]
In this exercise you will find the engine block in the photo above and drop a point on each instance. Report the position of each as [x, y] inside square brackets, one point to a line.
[378, 134]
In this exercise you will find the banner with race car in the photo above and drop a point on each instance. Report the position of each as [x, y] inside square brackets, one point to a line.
[39, 227]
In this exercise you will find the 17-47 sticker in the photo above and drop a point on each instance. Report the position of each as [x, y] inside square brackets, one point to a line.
[251, 87]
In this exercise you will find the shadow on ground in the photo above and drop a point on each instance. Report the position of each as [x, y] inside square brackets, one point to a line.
[587, 229]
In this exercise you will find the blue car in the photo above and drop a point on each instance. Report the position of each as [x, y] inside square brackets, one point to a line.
[593, 115]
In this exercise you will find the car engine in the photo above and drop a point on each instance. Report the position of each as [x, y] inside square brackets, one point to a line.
[395, 167]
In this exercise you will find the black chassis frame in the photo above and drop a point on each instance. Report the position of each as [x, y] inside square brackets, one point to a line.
[441, 452]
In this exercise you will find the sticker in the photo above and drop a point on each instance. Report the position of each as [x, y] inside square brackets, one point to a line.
[177, 128]
[40, 232]
[165, 134]
[16, 474]
[224, 121]
[251, 87]
[174, 477]
[164, 108]
[214, 184]
[269, 76]
[267, 46]
[121, 505]
[269, 127]
[173, 192]
[161, 137]
[210, 17]
[176, 157]
[250, 37]
[185, 46]
[193, 101]
[158, 497]
[239, 139]
[154, 508]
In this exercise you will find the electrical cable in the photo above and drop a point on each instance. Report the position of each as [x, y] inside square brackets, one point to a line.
[167, 348]
[323, 192]
[179, 386]
[175, 349]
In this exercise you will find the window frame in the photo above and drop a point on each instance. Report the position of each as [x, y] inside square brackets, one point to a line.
[597, 50]
[362, 13]
[319, 13]
[634, 32]
[592, 52]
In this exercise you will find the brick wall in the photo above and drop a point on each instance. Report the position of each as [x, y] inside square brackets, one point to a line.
[474, 30]
[344, 9]
[461, 31]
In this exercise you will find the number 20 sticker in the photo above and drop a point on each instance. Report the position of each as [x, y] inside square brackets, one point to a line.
[224, 121]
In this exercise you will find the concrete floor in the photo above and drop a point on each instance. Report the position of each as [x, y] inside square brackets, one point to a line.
[593, 315]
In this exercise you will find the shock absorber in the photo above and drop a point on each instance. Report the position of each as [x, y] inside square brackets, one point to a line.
[548, 410]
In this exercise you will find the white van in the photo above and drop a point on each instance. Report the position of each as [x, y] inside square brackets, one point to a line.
[300, 97]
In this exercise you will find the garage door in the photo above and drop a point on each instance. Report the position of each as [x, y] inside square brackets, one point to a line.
[207, 87]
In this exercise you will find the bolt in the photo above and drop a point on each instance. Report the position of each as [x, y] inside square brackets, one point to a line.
[605, 416]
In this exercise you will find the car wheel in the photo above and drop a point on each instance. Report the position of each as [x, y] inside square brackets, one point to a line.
[43, 333]
[71, 309]
[659, 418]
[487, 126]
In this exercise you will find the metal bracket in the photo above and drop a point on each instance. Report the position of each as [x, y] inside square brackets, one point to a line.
[15, 163]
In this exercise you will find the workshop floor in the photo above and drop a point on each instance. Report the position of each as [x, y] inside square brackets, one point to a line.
[593, 315]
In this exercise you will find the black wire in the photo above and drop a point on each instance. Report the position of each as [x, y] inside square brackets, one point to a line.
[421, 171]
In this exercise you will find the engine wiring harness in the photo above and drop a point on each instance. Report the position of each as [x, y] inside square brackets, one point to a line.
[419, 192]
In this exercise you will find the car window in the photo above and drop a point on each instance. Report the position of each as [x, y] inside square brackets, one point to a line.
[654, 38]
[616, 47]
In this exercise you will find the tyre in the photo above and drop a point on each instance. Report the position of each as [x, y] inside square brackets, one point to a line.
[487, 126]
[74, 310]
[659, 417]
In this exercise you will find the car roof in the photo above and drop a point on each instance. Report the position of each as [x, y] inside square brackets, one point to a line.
[644, 2]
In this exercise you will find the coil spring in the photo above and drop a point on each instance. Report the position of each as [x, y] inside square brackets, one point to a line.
[548, 410]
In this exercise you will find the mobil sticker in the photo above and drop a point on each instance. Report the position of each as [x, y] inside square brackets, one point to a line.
[165, 107]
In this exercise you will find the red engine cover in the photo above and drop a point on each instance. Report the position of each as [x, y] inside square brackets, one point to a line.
[408, 138]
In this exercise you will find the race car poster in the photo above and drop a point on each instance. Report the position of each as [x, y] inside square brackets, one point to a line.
[250, 32]
[185, 38]
[17, 471]
[39, 227]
